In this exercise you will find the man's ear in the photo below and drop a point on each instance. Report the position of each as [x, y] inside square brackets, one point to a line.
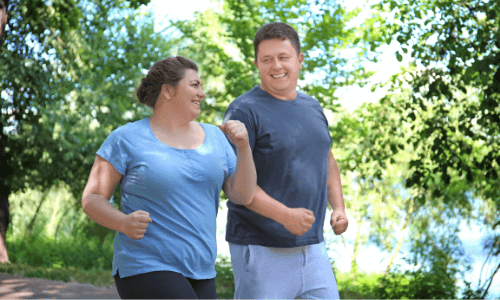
[301, 59]
[256, 63]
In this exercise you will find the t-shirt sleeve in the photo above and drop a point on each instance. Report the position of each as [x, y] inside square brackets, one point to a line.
[236, 114]
[328, 128]
[326, 122]
[230, 154]
[113, 150]
[231, 158]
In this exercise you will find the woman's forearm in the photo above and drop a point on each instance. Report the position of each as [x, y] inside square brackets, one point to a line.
[245, 177]
[99, 209]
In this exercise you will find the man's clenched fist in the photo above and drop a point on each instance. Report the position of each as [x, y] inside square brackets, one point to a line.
[299, 220]
[339, 222]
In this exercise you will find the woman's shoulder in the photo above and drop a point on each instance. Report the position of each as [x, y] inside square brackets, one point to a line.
[209, 126]
[212, 130]
[131, 127]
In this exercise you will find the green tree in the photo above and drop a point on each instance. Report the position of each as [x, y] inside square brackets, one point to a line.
[221, 41]
[372, 180]
[390, 215]
[41, 55]
[453, 105]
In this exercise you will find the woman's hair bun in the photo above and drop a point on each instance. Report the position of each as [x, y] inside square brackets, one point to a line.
[166, 71]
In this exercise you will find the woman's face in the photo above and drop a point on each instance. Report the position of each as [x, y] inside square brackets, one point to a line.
[188, 94]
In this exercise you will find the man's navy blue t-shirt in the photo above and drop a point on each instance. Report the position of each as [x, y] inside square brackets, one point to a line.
[290, 142]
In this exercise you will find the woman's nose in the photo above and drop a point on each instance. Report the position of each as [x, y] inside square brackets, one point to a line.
[202, 93]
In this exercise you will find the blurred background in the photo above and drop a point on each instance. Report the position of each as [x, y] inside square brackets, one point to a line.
[411, 90]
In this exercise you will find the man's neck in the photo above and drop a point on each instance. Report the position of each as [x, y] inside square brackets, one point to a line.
[281, 96]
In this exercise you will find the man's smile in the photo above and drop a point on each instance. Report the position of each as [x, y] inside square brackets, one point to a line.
[278, 75]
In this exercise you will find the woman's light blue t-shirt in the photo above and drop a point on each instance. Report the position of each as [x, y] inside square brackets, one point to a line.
[180, 190]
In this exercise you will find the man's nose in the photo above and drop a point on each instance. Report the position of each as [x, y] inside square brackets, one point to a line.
[276, 63]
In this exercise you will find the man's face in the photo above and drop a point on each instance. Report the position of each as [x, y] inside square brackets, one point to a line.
[279, 67]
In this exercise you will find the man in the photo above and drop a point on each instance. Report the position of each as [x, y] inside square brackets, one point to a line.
[276, 242]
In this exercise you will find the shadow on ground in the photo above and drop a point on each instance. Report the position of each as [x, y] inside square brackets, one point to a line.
[16, 287]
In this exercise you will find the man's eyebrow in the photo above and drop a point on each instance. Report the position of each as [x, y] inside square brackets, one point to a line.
[279, 54]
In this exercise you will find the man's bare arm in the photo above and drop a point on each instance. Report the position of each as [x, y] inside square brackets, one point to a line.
[339, 219]
[296, 220]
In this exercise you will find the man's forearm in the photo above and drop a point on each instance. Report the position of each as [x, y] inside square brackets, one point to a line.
[334, 185]
[265, 205]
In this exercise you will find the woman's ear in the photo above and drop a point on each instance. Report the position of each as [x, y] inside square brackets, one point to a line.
[167, 91]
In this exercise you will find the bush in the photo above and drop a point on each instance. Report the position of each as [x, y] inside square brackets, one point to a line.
[357, 285]
[43, 251]
[416, 285]
[224, 278]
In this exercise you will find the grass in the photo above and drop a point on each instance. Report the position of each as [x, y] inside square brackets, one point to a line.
[102, 278]
[95, 277]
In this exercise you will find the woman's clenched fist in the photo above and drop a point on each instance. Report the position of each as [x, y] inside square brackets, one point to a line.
[236, 132]
[136, 224]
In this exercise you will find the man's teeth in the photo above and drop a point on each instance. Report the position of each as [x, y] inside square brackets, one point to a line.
[278, 76]
[196, 102]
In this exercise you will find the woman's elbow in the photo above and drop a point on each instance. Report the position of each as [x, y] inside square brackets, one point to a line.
[84, 203]
[86, 199]
[249, 199]
[243, 198]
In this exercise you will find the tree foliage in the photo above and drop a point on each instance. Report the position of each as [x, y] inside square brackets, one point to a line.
[63, 85]
[56, 76]
[411, 164]
[456, 92]
[448, 99]
[221, 41]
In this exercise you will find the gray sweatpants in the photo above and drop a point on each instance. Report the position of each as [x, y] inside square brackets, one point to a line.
[271, 273]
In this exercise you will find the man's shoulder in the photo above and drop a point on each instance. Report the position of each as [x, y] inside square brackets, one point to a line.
[310, 101]
[307, 97]
[247, 100]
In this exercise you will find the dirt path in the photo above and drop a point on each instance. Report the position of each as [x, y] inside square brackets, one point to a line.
[17, 287]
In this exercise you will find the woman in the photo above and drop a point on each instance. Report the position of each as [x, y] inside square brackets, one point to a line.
[171, 170]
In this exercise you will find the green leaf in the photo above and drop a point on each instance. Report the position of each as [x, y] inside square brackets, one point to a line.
[399, 57]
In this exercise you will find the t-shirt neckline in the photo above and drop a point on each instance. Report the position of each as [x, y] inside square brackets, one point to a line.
[170, 147]
[274, 98]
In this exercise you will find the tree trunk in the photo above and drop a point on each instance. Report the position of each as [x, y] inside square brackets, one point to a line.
[65, 213]
[3, 18]
[4, 168]
[29, 229]
[357, 246]
[402, 237]
[489, 284]
[5, 172]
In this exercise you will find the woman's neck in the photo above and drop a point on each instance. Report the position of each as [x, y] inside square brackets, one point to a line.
[170, 124]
